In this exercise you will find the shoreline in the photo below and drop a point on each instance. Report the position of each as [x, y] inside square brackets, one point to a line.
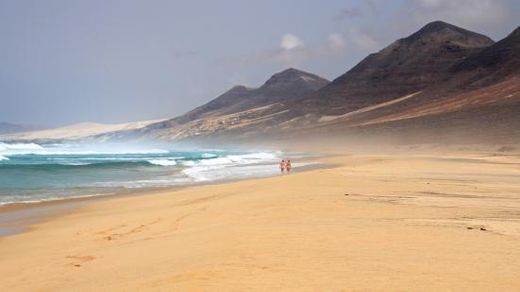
[17, 217]
[370, 222]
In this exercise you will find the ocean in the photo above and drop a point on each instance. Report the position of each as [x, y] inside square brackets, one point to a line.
[31, 172]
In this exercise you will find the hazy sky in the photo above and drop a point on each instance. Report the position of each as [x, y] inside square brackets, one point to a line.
[68, 61]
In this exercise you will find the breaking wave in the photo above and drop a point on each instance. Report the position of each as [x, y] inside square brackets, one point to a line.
[31, 171]
[163, 162]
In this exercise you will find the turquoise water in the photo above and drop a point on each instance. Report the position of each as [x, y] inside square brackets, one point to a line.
[32, 172]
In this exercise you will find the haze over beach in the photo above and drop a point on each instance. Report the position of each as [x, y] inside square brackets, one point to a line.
[274, 145]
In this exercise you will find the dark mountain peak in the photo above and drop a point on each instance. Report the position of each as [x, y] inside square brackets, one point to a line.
[294, 79]
[288, 75]
[515, 34]
[512, 41]
[283, 86]
[406, 66]
[439, 25]
[496, 62]
[291, 70]
[442, 32]
[238, 89]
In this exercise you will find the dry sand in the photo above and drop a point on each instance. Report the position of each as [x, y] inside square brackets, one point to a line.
[374, 222]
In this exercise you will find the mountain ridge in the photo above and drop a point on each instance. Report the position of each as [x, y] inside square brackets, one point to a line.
[439, 68]
[407, 65]
[438, 26]
[281, 87]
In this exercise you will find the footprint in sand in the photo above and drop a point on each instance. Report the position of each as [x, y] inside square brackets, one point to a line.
[124, 230]
[79, 260]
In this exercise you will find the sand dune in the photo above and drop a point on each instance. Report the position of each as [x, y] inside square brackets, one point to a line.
[427, 221]
[78, 131]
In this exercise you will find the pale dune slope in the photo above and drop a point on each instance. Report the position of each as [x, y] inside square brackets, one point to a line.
[80, 130]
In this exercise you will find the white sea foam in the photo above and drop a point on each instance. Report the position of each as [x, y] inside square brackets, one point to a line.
[214, 173]
[73, 163]
[260, 157]
[68, 149]
[15, 148]
[231, 166]
[196, 166]
[134, 184]
[216, 161]
[19, 146]
[163, 162]
[253, 157]
[229, 161]
[39, 199]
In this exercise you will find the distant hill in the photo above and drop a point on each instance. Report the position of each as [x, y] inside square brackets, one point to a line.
[76, 131]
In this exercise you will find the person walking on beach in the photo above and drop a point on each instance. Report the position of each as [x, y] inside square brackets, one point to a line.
[288, 166]
[282, 166]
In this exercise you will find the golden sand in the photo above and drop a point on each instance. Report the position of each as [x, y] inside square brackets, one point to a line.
[377, 222]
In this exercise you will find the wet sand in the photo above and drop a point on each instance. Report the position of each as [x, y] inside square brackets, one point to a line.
[380, 221]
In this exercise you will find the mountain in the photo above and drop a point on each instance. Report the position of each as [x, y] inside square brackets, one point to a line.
[408, 65]
[240, 104]
[476, 96]
[7, 128]
[281, 87]
[491, 64]
[440, 80]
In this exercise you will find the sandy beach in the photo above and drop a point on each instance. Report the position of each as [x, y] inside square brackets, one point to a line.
[380, 221]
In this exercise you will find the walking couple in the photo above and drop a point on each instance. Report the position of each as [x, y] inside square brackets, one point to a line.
[285, 165]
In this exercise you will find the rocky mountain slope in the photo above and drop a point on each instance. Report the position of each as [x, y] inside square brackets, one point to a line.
[439, 78]
[239, 107]
[490, 75]
[406, 66]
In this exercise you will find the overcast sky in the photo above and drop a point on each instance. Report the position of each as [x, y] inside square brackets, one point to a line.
[69, 61]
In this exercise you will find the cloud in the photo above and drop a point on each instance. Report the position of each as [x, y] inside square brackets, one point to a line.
[292, 51]
[336, 42]
[290, 42]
